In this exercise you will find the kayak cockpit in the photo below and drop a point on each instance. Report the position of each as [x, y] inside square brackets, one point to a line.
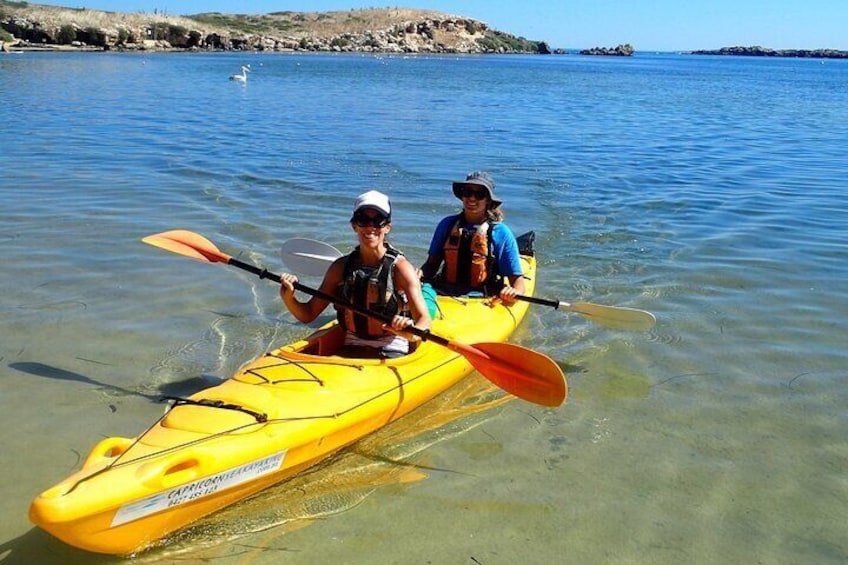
[324, 342]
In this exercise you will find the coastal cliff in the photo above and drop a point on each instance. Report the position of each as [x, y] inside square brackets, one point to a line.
[387, 30]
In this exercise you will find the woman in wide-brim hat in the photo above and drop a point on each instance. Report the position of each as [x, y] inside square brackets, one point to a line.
[474, 251]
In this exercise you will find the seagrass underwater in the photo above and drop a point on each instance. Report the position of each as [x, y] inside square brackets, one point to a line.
[660, 182]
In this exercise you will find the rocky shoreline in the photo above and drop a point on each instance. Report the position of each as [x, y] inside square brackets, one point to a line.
[25, 26]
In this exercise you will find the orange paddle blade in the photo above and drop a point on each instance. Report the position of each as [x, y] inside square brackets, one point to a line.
[520, 371]
[187, 243]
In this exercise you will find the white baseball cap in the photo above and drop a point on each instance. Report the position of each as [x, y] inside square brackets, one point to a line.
[374, 200]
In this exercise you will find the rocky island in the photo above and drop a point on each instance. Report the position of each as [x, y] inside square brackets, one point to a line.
[28, 26]
[757, 51]
[625, 50]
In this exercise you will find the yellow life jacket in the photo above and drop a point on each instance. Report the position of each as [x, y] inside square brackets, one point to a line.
[467, 256]
[371, 288]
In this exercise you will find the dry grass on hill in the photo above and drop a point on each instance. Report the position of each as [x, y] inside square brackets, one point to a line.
[83, 18]
[355, 21]
[317, 24]
[296, 24]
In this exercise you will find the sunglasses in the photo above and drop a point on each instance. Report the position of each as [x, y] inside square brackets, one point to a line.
[370, 221]
[474, 193]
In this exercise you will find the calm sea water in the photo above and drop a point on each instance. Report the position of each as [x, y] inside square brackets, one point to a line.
[710, 191]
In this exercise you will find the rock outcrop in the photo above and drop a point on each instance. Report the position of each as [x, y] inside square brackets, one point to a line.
[625, 50]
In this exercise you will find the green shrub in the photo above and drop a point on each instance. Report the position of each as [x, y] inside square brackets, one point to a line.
[175, 31]
[494, 41]
[96, 36]
[67, 35]
[160, 30]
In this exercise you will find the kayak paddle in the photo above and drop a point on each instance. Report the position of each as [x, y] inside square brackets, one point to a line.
[518, 370]
[311, 257]
[617, 317]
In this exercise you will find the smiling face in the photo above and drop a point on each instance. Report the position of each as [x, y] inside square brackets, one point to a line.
[475, 202]
[371, 228]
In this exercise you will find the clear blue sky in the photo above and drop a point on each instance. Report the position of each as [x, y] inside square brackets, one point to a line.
[658, 25]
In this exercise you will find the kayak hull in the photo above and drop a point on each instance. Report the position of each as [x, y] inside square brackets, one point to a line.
[276, 417]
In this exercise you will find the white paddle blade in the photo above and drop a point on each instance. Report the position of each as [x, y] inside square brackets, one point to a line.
[307, 256]
[616, 317]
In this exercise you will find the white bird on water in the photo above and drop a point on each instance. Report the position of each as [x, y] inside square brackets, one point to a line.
[243, 76]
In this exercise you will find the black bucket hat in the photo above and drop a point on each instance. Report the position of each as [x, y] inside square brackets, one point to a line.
[478, 179]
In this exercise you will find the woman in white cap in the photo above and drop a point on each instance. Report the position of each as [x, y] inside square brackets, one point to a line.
[374, 276]
[474, 251]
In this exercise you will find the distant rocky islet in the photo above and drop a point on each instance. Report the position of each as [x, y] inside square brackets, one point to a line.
[757, 51]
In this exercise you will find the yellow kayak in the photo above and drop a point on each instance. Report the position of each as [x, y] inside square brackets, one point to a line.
[277, 416]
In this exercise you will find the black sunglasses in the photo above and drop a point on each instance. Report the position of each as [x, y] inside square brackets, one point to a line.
[363, 221]
[474, 193]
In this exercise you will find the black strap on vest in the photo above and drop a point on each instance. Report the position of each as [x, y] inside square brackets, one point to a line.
[356, 281]
[463, 274]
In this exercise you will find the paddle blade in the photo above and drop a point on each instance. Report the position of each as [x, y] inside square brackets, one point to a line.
[520, 371]
[308, 256]
[613, 316]
[190, 244]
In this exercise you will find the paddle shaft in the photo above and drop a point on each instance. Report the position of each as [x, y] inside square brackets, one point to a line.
[533, 300]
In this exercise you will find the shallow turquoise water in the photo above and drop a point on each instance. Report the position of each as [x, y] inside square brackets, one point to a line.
[707, 190]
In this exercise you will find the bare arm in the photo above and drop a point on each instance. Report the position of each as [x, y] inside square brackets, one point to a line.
[312, 308]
